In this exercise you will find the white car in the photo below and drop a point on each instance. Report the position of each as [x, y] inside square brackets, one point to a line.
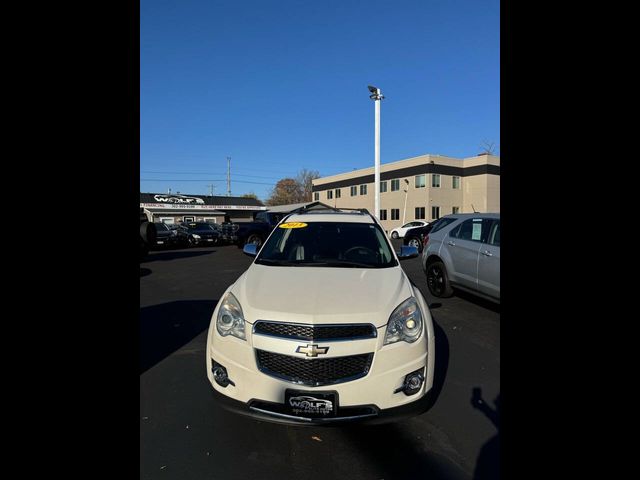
[400, 232]
[323, 327]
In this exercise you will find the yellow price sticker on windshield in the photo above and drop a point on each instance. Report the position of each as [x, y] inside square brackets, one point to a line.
[293, 225]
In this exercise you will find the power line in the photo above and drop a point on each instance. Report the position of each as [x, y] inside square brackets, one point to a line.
[198, 180]
[205, 173]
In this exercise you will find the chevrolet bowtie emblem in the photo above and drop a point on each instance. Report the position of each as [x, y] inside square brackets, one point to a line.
[312, 350]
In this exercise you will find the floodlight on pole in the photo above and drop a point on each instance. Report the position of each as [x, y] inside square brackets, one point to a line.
[376, 96]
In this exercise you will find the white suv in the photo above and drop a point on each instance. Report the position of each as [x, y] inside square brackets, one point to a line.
[323, 327]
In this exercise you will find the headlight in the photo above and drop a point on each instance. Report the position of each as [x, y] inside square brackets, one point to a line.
[405, 323]
[196, 236]
[230, 320]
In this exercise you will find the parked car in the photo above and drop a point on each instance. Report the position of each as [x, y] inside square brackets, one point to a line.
[201, 233]
[256, 232]
[464, 254]
[181, 233]
[399, 232]
[323, 327]
[226, 231]
[417, 236]
[165, 237]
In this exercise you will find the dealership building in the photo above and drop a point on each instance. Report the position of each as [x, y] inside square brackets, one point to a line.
[176, 208]
[419, 188]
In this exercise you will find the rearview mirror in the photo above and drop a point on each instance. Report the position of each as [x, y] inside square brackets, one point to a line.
[250, 249]
[407, 252]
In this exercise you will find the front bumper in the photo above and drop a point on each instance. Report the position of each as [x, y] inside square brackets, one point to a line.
[359, 414]
[373, 398]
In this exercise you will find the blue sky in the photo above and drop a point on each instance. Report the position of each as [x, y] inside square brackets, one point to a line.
[282, 85]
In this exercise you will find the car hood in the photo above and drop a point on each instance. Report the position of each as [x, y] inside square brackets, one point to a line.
[321, 294]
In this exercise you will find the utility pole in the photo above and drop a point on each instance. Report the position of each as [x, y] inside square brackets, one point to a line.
[228, 176]
[211, 187]
[376, 96]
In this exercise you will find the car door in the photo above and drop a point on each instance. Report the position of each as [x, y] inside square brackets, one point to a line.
[463, 247]
[489, 262]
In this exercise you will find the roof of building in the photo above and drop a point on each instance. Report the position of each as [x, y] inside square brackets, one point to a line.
[295, 206]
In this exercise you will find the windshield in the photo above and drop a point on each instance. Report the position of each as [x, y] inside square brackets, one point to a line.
[161, 226]
[328, 244]
[199, 226]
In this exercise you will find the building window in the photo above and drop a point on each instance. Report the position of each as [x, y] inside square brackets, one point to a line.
[383, 186]
[421, 181]
[383, 214]
[395, 185]
[316, 196]
[363, 189]
[338, 193]
[455, 182]
[329, 194]
[420, 213]
[435, 180]
[395, 214]
[354, 191]
[455, 209]
[435, 213]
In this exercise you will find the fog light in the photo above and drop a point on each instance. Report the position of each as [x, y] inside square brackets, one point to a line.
[220, 375]
[412, 383]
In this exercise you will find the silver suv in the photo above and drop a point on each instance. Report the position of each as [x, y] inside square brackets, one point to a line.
[463, 251]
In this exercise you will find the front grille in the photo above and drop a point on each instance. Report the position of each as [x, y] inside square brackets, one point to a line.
[315, 332]
[315, 372]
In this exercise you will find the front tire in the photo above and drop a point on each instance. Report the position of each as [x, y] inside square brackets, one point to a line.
[254, 239]
[438, 280]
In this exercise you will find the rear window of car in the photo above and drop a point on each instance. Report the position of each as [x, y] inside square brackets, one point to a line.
[441, 223]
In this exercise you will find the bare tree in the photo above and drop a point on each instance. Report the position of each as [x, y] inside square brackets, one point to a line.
[305, 178]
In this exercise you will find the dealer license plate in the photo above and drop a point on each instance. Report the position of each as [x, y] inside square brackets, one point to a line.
[311, 404]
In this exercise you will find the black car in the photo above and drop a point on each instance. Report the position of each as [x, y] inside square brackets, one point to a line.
[201, 233]
[417, 236]
[181, 234]
[165, 237]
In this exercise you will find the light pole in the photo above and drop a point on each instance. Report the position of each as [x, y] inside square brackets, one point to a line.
[376, 96]
[406, 192]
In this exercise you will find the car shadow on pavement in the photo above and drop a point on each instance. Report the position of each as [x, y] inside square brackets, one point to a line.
[481, 302]
[144, 272]
[403, 456]
[488, 463]
[175, 254]
[166, 327]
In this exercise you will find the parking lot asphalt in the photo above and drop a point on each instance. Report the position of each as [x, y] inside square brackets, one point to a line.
[184, 434]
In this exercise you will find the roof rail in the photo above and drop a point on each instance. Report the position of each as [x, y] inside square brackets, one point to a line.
[316, 209]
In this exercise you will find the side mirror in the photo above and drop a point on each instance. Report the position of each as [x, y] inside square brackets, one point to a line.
[250, 249]
[407, 252]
